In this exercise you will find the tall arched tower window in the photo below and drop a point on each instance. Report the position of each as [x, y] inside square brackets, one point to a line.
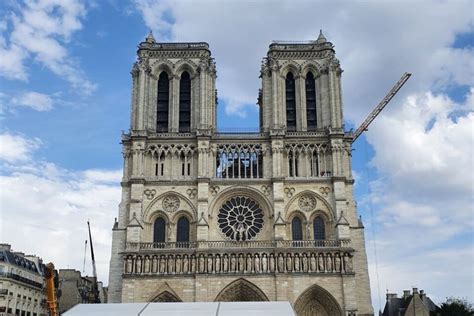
[290, 102]
[296, 229]
[185, 103]
[159, 230]
[163, 103]
[311, 102]
[318, 227]
[182, 234]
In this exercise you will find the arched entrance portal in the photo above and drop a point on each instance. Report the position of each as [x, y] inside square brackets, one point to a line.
[316, 301]
[166, 297]
[241, 290]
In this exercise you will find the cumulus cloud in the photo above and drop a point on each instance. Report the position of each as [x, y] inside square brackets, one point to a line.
[16, 148]
[37, 101]
[52, 206]
[40, 31]
[375, 41]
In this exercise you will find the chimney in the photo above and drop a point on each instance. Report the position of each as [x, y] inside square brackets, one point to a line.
[5, 247]
[422, 293]
[415, 290]
[391, 296]
[406, 294]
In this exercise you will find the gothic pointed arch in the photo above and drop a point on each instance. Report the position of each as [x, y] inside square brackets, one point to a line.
[311, 114]
[163, 102]
[316, 301]
[241, 290]
[185, 102]
[165, 294]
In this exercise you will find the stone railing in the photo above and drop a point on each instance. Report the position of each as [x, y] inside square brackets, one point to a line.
[227, 244]
[225, 257]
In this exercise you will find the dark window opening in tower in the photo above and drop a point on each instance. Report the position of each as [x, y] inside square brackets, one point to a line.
[290, 102]
[162, 108]
[318, 227]
[159, 230]
[185, 103]
[296, 229]
[311, 117]
[314, 164]
[182, 234]
[292, 164]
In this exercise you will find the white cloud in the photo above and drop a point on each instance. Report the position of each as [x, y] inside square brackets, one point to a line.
[375, 41]
[16, 148]
[35, 100]
[52, 206]
[41, 30]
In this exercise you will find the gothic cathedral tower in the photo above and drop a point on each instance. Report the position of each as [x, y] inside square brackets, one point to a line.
[210, 216]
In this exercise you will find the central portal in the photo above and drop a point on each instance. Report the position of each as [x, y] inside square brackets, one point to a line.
[241, 290]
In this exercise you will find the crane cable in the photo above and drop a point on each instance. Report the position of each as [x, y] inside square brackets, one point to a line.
[372, 222]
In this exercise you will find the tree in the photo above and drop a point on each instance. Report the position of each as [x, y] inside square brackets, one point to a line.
[455, 307]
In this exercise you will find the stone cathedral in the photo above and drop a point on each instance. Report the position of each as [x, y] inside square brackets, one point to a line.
[228, 216]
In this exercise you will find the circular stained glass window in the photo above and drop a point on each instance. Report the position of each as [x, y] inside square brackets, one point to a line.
[240, 218]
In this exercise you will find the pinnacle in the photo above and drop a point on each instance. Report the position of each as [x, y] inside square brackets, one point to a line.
[321, 38]
[150, 38]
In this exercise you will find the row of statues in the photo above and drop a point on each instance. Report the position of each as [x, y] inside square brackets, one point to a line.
[239, 263]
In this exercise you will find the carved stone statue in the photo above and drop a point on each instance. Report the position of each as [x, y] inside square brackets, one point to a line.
[138, 265]
[249, 266]
[304, 262]
[193, 263]
[178, 264]
[170, 264]
[185, 264]
[209, 264]
[217, 267]
[347, 262]
[289, 262]
[154, 264]
[129, 265]
[201, 263]
[281, 263]
[320, 263]
[264, 263]
[233, 263]
[147, 264]
[312, 264]
[162, 264]
[241, 263]
[297, 263]
[272, 262]
[328, 262]
[337, 262]
[257, 263]
[225, 263]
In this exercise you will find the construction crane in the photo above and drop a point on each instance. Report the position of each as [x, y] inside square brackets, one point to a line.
[51, 300]
[95, 288]
[363, 127]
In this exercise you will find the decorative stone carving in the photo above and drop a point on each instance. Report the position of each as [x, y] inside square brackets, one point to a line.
[325, 190]
[214, 189]
[149, 193]
[307, 202]
[289, 192]
[192, 192]
[347, 260]
[171, 203]
[266, 189]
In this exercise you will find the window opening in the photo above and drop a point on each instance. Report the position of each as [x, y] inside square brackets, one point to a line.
[163, 103]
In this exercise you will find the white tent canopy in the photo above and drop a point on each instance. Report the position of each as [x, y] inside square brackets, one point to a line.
[185, 309]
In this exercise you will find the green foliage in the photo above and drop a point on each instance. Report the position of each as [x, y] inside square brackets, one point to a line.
[455, 307]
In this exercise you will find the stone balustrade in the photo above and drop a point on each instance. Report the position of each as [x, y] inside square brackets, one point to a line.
[225, 257]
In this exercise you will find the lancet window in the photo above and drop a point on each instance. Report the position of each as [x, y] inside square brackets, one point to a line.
[296, 229]
[290, 102]
[239, 161]
[170, 161]
[159, 230]
[162, 107]
[182, 233]
[185, 103]
[311, 117]
[318, 228]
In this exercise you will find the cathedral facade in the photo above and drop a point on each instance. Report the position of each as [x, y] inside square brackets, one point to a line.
[214, 216]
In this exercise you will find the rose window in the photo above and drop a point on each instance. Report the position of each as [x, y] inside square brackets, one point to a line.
[240, 218]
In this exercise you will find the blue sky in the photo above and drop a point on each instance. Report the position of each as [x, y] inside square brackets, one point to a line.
[65, 97]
